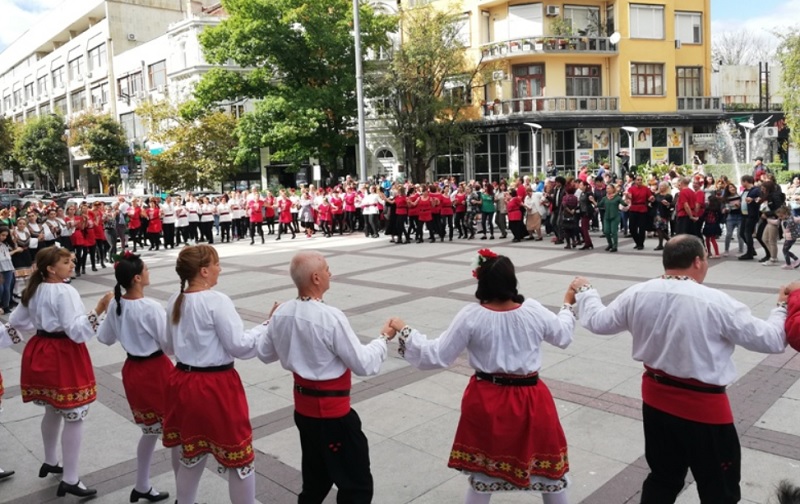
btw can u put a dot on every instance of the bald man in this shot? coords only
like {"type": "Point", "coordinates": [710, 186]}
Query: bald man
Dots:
{"type": "Point", "coordinates": [315, 341]}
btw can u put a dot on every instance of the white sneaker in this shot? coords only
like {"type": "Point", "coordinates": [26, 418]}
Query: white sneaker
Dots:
{"type": "Point", "coordinates": [769, 263]}
{"type": "Point", "coordinates": [725, 254]}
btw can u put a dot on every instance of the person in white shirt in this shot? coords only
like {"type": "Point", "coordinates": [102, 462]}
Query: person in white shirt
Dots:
{"type": "Point", "coordinates": [181, 223]}
{"type": "Point", "coordinates": [225, 219]}
{"type": "Point", "coordinates": [207, 408]}
{"type": "Point", "coordinates": [533, 217]}
{"type": "Point", "coordinates": [507, 413]}
{"type": "Point", "coordinates": [685, 334]}
{"type": "Point", "coordinates": [57, 371]}
{"type": "Point", "coordinates": [369, 209]}
{"type": "Point", "coordinates": [207, 212]}
{"type": "Point", "coordinates": [168, 219]}
{"type": "Point", "coordinates": [315, 341]}
{"type": "Point", "coordinates": [140, 324]}
{"type": "Point", "coordinates": [193, 209]}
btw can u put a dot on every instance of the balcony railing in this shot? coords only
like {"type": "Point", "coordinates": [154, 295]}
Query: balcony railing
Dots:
{"type": "Point", "coordinates": [699, 104]}
{"type": "Point", "coordinates": [537, 45]}
{"type": "Point", "coordinates": [552, 105]}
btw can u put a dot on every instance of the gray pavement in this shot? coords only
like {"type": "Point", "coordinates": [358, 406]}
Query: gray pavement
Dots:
{"type": "Point", "coordinates": [410, 416]}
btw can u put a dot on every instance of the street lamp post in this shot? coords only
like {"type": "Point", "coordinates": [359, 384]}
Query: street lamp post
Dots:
{"type": "Point", "coordinates": [69, 156]}
{"type": "Point", "coordinates": [748, 127]}
{"type": "Point", "coordinates": [362, 130]}
{"type": "Point", "coordinates": [631, 130]}
{"type": "Point", "coordinates": [534, 129]}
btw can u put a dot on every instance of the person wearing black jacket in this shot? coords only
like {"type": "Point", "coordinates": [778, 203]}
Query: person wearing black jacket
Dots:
{"type": "Point", "coordinates": [750, 216]}
{"type": "Point", "coordinates": [767, 234]}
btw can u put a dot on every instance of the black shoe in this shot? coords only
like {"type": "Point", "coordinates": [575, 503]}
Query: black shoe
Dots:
{"type": "Point", "coordinates": [608, 248]}
{"type": "Point", "coordinates": [136, 495]}
{"type": "Point", "coordinates": [483, 237]}
{"type": "Point", "coordinates": [65, 488]}
{"type": "Point", "coordinates": [6, 474]}
{"type": "Point", "coordinates": [94, 268]}
{"type": "Point", "coordinates": [587, 247]}
{"type": "Point", "coordinates": [746, 257]}
{"type": "Point", "coordinates": [262, 240]}
{"type": "Point", "coordinates": [613, 249]}
{"type": "Point", "coordinates": [491, 237]}
{"type": "Point", "coordinates": [764, 259]}
{"type": "Point", "coordinates": [50, 469]}
{"type": "Point", "coordinates": [660, 247]}
{"type": "Point", "coordinates": [515, 240]}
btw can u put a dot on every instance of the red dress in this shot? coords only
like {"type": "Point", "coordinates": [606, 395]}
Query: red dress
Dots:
{"type": "Point", "coordinates": [325, 213]}
{"type": "Point", "coordinates": [98, 230]}
{"type": "Point", "coordinates": [154, 225]}
{"type": "Point", "coordinates": [269, 207]}
{"type": "Point", "coordinates": [285, 207]}
{"type": "Point", "coordinates": [425, 209]}
{"type": "Point", "coordinates": [77, 237]}
{"type": "Point", "coordinates": [135, 214]}
{"type": "Point", "coordinates": [254, 210]}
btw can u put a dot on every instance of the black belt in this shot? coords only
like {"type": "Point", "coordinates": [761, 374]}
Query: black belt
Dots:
{"type": "Point", "coordinates": [320, 393]}
{"type": "Point", "coordinates": [209, 369]}
{"type": "Point", "coordinates": [53, 335]}
{"type": "Point", "coordinates": [664, 380]}
{"type": "Point", "coordinates": [522, 381]}
{"type": "Point", "coordinates": [157, 353]}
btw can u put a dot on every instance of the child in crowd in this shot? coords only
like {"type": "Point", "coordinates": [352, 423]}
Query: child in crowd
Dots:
{"type": "Point", "coordinates": [712, 227]}
{"type": "Point", "coordinates": [790, 226]}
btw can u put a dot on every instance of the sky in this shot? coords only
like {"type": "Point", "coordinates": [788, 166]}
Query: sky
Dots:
{"type": "Point", "coordinates": [726, 15]}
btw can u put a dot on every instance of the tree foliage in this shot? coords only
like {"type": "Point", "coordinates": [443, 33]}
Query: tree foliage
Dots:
{"type": "Point", "coordinates": [41, 147]}
{"type": "Point", "coordinates": [415, 91]}
{"type": "Point", "coordinates": [789, 56]}
{"type": "Point", "coordinates": [102, 138]}
{"type": "Point", "coordinates": [9, 131]}
{"type": "Point", "coordinates": [299, 58]}
{"type": "Point", "coordinates": [742, 47]}
{"type": "Point", "coordinates": [199, 149]}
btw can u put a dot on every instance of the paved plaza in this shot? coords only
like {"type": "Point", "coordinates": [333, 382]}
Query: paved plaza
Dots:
{"type": "Point", "coordinates": [410, 416]}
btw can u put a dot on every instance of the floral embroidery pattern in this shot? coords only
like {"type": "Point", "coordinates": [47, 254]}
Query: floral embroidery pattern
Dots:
{"type": "Point", "coordinates": [61, 399]}
{"type": "Point", "coordinates": [551, 466]}
{"type": "Point", "coordinates": [13, 334]}
{"type": "Point", "coordinates": [504, 486]}
{"type": "Point", "coordinates": [146, 417]}
{"type": "Point", "coordinates": [227, 456]}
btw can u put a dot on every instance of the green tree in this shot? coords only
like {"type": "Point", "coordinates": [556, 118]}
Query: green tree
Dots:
{"type": "Point", "coordinates": [199, 150]}
{"type": "Point", "coordinates": [103, 140]}
{"type": "Point", "coordinates": [425, 89]}
{"type": "Point", "coordinates": [789, 57]}
{"type": "Point", "coordinates": [41, 148]}
{"type": "Point", "coordinates": [299, 58]}
{"type": "Point", "coordinates": [9, 131]}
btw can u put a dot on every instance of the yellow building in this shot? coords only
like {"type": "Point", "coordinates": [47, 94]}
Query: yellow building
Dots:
{"type": "Point", "coordinates": [583, 70]}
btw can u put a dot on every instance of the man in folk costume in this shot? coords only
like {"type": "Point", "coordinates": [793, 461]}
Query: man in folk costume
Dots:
{"type": "Point", "coordinates": [685, 334]}
{"type": "Point", "coordinates": [315, 341]}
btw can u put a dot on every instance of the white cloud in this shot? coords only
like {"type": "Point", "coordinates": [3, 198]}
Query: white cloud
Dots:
{"type": "Point", "coordinates": [19, 16]}
{"type": "Point", "coordinates": [784, 15]}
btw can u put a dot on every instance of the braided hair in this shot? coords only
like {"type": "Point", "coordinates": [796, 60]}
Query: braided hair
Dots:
{"type": "Point", "coordinates": [126, 268]}
{"type": "Point", "coordinates": [190, 261]}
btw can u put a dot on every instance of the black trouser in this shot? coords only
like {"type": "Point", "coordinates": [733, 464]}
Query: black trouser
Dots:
{"type": "Point", "coordinates": [284, 228]}
{"type": "Point", "coordinates": [271, 225]}
{"type": "Point", "coordinates": [517, 229]}
{"type": "Point", "coordinates": [193, 230]}
{"type": "Point", "coordinates": [413, 224]}
{"type": "Point", "coordinates": [349, 219]}
{"type": "Point", "coordinates": [155, 240]}
{"type": "Point", "coordinates": [469, 224]}
{"type": "Point", "coordinates": [335, 450]}
{"type": "Point", "coordinates": [257, 226]}
{"type": "Point", "coordinates": [338, 222]}
{"type": "Point", "coordinates": [400, 228]}
{"type": "Point", "coordinates": [295, 222]}
{"type": "Point", "coordinates": [446, 221]}
{"type": "Point", "coordinates": [169, 235]}
{"type": "Point", "coordinates": [746, 233]}
{"type": "Point", "coordinates": [207, 229]}
{"type": "Point", "coordinates": [673, 445]}
{"type": "Point", "coordinates": [326, 227]}
{"type": "Point", "coordinates": [459, 223]}
{"type": "Point", "coordinates": [760, 227]}
{"type": "Point", "coordinates": [487, 217]}
{"type": "Point", "coordinates": [637, 223]}
{"type": "Point", "coordinates": [685, 225]}
{"type": "Point", "coordinates": [225, 228]}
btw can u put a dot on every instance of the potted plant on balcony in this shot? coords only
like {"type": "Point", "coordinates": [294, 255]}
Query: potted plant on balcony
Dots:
{"type": "Point", "coordinates": [550, 43]}
{"type": "Point", "coordinates": [494, 49]}
{"type": "Point", "coordinates": [538, 44]}
{"type": "Point", "coordinates": [526, 45]}
{"type": "Point", "coordinates": [561, 28]}
{"type": "Point", "coordinates": [503, 48]}
{"type": "Point", "coordinates": [514, 46]}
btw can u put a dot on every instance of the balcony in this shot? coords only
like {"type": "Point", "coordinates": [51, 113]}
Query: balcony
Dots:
{"type": "Point", "coordinates": [551, 105]}
{"type": "Point", "coordinates": [548, 45]}
{"type": "Point", "coordinates": [699, 104]}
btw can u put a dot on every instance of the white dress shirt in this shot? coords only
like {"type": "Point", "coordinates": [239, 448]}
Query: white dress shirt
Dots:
{"type": "Point", "coordinates": [224, 211]}
{"type": "Point", "coordinates": [497, 341]}
{"type": "Point", "coordinates": [168, 213]}
{"type": "Point", "coordinates": [55, 307]}
{"type": "Point", "coordinates": [684, 328]}
{"type": "Point", "coordinates": [193, 209]}
{"type": "Point", "coordinates": [210, 331]}
{"type": "Point", "coordinates": [315, 341]}
{"type": "Point", "coordinates": [141, 327]}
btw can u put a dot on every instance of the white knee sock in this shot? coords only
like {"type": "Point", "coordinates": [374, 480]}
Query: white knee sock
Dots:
{"type": "Point", "coordinates": [241, 491]}
{"type": "Point", "coordinates": [175, 454]}
{"type": "Point", "coordinates": [70, 450]}
{"type": "Point", "coordinates": [144, 457]}
{"type": "Point", "coordinates": [51, 428]}
{"type": "Point", "coordinates": [474, 497]}
{"type": "Point", "coordinates": [188, 481]}
{"type": "Point", "coordinates": [555, 498]}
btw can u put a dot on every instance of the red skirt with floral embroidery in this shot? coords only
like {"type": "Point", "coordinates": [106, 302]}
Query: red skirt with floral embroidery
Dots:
{"type": "Point", "coordinates": [509, 432]}
{"type": "Point", "coordinates": [145, 383]}
{"type": "Point", "coordinates": [208, 413]}
{"type": "Point", "coordinates": [57, 371]}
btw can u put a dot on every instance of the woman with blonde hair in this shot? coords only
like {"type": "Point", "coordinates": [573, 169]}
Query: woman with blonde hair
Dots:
{"type": "Point", "coordinates": [206, 405]}
{"type": "Point", "coordinates": [57, 371]}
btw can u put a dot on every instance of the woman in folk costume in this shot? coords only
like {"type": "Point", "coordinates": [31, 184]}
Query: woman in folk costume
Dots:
{"type": "Point", "coordinates": [140, 326]}
{"type": "Point", "coordinates": [206, 405]}
{"type": "Point", "coordinates": [57, 372]}
{"type": "Point", "coordinates": [509, 437]}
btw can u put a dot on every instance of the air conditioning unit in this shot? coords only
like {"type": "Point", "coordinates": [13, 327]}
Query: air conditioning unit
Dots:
{"type": "Point", "coordinates": [771, 132]}
{"type": "Point", "coordinates": [498, 75]}
{"type": "Point", "coordinates": [89, 75]}
{"type": "Point", "coordinates": [132, 37]}
{"type": "Point", "coordinates": [552, 11]}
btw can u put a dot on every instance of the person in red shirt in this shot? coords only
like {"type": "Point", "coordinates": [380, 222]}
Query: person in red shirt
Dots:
{"type": "Point", "coordinates": [325, 215]}
{"type": "Point", "coordinates": [269, 212]}
{"type": "Point", "coordinates": [514, 209]}
{"type": "Point", "coordinates": [255, 211]}
{"type": "Point", "coordinates": [460, 204]}
{"type": "Point", "coordinates": [285, 213]}
{"type": "Point", "coordinates": [154, 225]}
{"type": "Point", "coordinates": [685, 208]}
{"type": "Point", "coordinates": [445, 213]}
{"type": "Point", "coordinates": [413, 210]}
{"type": "Point", "coordinates": [350, 208]}
{"type": "Point", "coordinates": [639, 195]}
{"type": "Point", "coordinates": [424, 205]}
{"type": "Point", "coordinates": [699, 206]}
{"type": "Point", "coordinates": [401, 216]}
{"type": "Point", "coordinates": [135, 223]}
{"type": "Point", "coordinates": [337, 210]}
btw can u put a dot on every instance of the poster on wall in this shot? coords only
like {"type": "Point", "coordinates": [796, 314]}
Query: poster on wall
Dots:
{"type": "Point", "coordinates": [583, 139]}
{"type": "Point", "coordinates": [600, 139]}
{"type": "Point", "coordinates": [659, 155]}
{"type": "Point", "coordinates": [643, 138]}
{"type": "Point", "coordinates": [583, 157]}
{"type": "Point", "coordinates": [675, 137]}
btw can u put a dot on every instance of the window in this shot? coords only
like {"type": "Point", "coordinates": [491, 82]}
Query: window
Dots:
{"type": "Point", "coordinates": [29, 91]}
{"type": "Point", "coordinates": [564, 153]}
{"type": "Point", "coordinates": [689, 27]}
{"type": "Point", "coordinates": [157, 74]}
{"type": "Point", "coordinates": [523, 21]}
{"type": "Point", "coordinates": [647, 79]}
{"type": "Point", "coordinates": [130, 85]}
{"type": "Point", "coordinates": [610, 20]}
{"type": "Point", "coordinates": [647, 21]}
{"type": "Point", "coordinates": [100, 95]}
{"type": "Point", "coordinates": [457, 91]}
{"type": "Point", "coordinates": [17, 97]}
{"type": "Point", "coordinates": [41, 85]}
{"type": "Point", "coordinates": [75, 68]}
{"type": "Point", "coordinates": [6, 102]}
{"type": "Point", "coordinates": [44, 110]}
{"type": "Point", "coordinates": [60, 106]}
{"type": "Point", "coordinates": [491, 157]}
{"type": "Point", "coordinates": [690, 81]}
{"type": "Point", "coordinates": [525, 147]}
{"type": "Point", "coordinates": [462, 31]}
{"type": "Point", "coordinates": [132, 125]}
{"type": "Point", "coordinates": [97, 57]}
{"type": "Point", "coordinates": [583, 80]}
{"type": "Point", "coordinates": [78, 100]}
{"type": "Point", "coordinates": [450, 164]}
{"type": "Point", "coordinates": [584, 20]}
{"type": "Point", "coordinates": [58, 77]}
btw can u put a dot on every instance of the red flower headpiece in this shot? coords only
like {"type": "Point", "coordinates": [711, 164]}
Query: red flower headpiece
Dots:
{"type": "Point", "coordinates": [483, 255]}
{"type": "Point", "coordinates": [127, 255]}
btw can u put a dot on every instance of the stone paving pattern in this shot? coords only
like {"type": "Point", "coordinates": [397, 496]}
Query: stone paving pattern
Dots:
{"type": "Point", "coordinates": [410, 416]}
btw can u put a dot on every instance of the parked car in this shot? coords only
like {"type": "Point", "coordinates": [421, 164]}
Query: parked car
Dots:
{"type": "Point", "coordinates": [7, 199]}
